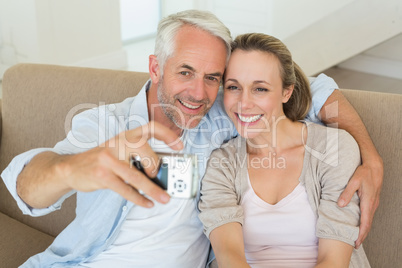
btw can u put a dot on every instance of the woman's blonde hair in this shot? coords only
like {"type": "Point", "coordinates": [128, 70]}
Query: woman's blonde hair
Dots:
{"type": "Point", "coordinates": [299, 103]}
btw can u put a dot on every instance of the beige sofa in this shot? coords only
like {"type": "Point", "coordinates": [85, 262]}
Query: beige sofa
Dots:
{"type": "Point", "coordinates": [37, 98]}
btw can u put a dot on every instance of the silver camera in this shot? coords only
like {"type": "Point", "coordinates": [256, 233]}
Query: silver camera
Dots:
{"type": "Point", "coordinates": [178, 174]}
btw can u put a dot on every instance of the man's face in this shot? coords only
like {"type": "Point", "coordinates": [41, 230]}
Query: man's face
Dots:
{"type": "Point", "coordinates": [191, 77]}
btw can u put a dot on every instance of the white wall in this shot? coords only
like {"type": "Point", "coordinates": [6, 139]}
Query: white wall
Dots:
{"type": "Point", "coordinates": [345, 33]}
{"type": "Point", "coordinates": [173, 6]}
{"type": "Point", "coordinates": [139, 19]}
{"type": "Point", "coordinates": [18, 40]}
{"type": "Point", "coordinates": [390, 49]}
{"type": "Point", "coordinates": [278, 18]}
{"type": "Point", "coordinates": [384, 59]}
{"type": "Point", "coordinates": [74, 32]}
{"type": "Point", "coordinates": [320, 33]}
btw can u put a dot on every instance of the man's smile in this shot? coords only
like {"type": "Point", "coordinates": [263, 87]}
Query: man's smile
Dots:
{"type": "Point", "coordinates": [188, 105]}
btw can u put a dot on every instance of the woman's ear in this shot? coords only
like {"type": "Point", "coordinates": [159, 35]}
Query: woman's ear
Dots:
{"type": "Point", "coordinates": [287, 93]}
{"type": "Point", "coordinates": [154, 71]}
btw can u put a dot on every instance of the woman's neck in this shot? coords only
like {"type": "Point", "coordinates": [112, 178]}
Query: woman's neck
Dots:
{"type": "Point", "coordinates": [283, 135]}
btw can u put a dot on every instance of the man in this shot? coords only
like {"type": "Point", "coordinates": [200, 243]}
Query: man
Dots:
{"type": "Point", "coordinates": [123, 219]}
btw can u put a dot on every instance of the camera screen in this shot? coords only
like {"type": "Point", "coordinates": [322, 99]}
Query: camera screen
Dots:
{"type": "Point", "coordinates": [162, 177]}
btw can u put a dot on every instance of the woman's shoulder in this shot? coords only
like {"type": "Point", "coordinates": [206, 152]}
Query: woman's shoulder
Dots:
{"type": "Point", "coordinates": [324, 142]}
{"type": "Point", "coordinates": [323, 134]}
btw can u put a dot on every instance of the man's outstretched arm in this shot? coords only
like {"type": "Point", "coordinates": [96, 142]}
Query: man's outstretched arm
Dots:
{"type": "Point", "coordinates": [49, 176]}
{"type": "Point", "coordinates": [367, 179]}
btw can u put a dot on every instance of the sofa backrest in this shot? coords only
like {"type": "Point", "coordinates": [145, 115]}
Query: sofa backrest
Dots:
{"type": "Point", "coordinates": [36, 100]}
{"type": "Point", "coordinates": [382, 116]}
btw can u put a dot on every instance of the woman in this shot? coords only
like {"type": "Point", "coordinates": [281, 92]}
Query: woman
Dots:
{"type": "Point", "coordinates": [269, 196]}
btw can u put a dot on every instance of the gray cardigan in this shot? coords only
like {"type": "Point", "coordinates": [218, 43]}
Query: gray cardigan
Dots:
{"type": "Point", "coordinates": [330, 159]}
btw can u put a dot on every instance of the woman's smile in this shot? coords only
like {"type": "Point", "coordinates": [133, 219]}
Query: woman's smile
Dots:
{"type": "Point", "coordinates": [246, 118]}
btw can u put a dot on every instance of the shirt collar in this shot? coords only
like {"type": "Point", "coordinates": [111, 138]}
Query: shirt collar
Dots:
{"type": "Point", "coordinates": [139, 108]}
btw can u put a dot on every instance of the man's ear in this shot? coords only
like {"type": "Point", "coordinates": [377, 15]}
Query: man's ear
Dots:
{"type": "Point", "coordinates": [287, 93]}
{"type": "Point", "coordinates": [154, 70]}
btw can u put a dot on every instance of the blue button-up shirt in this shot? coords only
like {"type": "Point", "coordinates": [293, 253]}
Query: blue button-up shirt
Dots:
{"type": "Point", "coordinates": [100, 214]}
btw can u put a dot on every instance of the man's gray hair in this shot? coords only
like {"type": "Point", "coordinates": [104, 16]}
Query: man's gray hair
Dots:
{"type": "Point", "coordinates": [169, 26]}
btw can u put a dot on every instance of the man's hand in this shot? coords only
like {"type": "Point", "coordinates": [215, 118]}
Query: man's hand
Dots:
{"type": "Point", "coordinates": [367, 181]}
{"type": "Point", "coordinates": [49, 176]}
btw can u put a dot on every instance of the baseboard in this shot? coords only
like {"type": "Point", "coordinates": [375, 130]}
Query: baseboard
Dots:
{"type": "Point", "coordinates": [374, 65]}
{"type": "Point", "coordinates": [114, 60]}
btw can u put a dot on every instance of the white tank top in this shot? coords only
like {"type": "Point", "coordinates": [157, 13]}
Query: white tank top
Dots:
{"type": "Point", "coordinates": [280, 235]}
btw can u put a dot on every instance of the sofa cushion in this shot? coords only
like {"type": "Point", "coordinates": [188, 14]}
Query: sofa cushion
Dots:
{"type": "Point", "coordinates": [19, 241]}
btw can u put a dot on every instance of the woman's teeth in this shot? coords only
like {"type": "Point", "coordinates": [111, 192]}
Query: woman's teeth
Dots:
{"type": "Point", "coordinates": [249, 119]}
{"type": "Point", "coordinates": [189, 105]}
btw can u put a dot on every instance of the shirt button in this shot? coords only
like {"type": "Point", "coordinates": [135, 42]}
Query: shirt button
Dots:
{"type": "Point", "coordinates": [124, 208]}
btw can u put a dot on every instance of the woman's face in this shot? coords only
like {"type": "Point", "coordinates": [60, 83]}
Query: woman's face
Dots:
{"type": "Point", "coordinates": [253, 92]}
